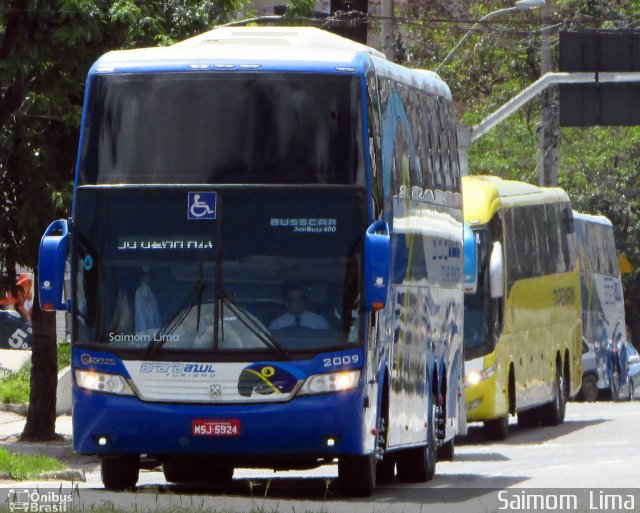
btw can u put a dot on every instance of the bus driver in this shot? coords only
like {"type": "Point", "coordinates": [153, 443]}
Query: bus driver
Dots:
{"type": "Point", "coordinates": [298, 316]}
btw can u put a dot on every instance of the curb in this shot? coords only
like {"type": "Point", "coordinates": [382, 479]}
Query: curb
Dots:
{"type": "Point", "coordinates": [61, 450]}
{"type": "Point", "coordinates": [20, 409]}
{"type": "Point", "coordinates": [53, 449]}
{"type": "Point", "coordinates": [70, 474]}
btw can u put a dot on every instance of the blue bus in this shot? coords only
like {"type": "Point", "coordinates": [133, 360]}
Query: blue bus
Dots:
{"type": "Point", "coordinates": [603, 317]}
{"type": "Point", "coordinates": [266, 254]}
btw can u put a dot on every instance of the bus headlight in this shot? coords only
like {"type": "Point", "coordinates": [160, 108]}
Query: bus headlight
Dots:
{"type": "Point", "coordinates": [332, 382]}
{"type": "Point", "coordinates": [100, 382]}
{"type": "Point", "coordinates": [475, 377]}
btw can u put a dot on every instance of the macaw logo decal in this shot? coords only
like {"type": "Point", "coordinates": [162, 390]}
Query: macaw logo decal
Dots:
{"type": "Point", "coordinates": [265, 379]}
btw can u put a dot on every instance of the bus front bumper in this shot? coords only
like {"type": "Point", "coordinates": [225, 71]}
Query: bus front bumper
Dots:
{"type": "Point", "coordinates": [480, 400]}
{"type": "Point", "coordinates": [317, 426]}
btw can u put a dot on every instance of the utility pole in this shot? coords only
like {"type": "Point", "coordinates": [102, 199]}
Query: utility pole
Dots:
{"type": "Point", "coordinates": [386, 12]}
{"type": "Point", "coordinates": [549, 126]}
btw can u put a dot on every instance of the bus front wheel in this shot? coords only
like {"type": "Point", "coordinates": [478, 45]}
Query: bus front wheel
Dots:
{"type": "Point", "coordinates": [497, 429]}
{"type": "Point", "coordinates": [120, 472]}
{"type": "Point", "coordinates": [357, 475]}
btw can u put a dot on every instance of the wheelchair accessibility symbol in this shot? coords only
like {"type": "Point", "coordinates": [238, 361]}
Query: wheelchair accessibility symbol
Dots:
{"type": "Point", "coordinates": [202, 205]}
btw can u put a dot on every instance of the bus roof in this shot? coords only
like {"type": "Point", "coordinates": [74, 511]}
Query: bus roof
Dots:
{"type": "Point", "coordinates": [482, 196]}
{"type": "Point", "coordinates": [266, 49]}
{"type": "Point", "coordinates": [245, 47]}
{"type": "Point", "coordinates": [591, 218]}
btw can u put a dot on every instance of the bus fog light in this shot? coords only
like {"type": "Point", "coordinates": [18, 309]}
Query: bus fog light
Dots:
{"type": "Point", "coordinates": [102, 441]}
{"type": "Point", "coordinates": [331, 442]}
{"type": "Point", "coordinates": [474, 404]}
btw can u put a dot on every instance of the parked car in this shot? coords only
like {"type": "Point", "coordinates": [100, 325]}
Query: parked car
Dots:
{"type": "Point", "coordinates": [589, 388]}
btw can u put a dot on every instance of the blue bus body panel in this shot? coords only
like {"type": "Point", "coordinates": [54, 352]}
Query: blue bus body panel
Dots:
{"type": "Point", "coordinates": [299, 427]}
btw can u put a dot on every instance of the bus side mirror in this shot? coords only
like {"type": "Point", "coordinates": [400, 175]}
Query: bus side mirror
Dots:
{"type": "Point", "coordinates": [377, 255]}
{"type": "Point", "coordinates": [51, 265]}
{"type": "Point", "coordinates": [470, 261]}
{"type": "Point", "coordinates": [496, 271]}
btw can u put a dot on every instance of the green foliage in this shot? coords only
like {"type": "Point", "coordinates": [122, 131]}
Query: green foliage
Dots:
{"type": "Point", "coordinates": [15, 388]}
{"type": "Point", "coordinates": [597, 166]}
{"type": "Point", "coordinates": [46, 49]}
{"type": "Point", "coordinates": [297, 9]}
{"type": "Point", "coordinates": [26, 466]}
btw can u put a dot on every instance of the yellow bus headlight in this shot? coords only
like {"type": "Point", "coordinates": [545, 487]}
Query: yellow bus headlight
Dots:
{"type": "Point", "coordinates": [475, 377]}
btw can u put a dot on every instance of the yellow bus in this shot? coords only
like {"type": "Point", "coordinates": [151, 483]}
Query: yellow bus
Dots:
{"type": "Point", "coordinates": [522, 328]}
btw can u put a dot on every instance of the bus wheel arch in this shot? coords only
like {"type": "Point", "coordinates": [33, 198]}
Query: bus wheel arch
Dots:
{"type": "Point", "coordinates": [511, 390]}
{"type": "Point", "coordinates": [417, 465]}
{"type": "Point", "coordinates": [446, 449]}
{"type": "Point", "coordinates": [567, 375]}
{"type": "Point", "coordinates": [554, 412]}
{"type": "Point", "coordinates": [386, 467]}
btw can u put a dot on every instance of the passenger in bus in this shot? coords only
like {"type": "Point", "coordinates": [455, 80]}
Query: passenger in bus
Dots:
{"type": "Point", "coordinates": [122, 316]}
{"type": "Point", "coordinates": [297, 315]}
{"type": "Point", "coordinates": [146, 305]}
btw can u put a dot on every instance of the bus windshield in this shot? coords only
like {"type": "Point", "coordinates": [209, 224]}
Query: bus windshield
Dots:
{"type": "Point", "coordinates": [275, 271]}
{"type": "Point", "coordinates": [223, 128]}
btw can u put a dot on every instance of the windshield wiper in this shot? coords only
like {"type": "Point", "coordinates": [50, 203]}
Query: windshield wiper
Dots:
{"type": "Point", "coordinates": [194, 297]}
{"type": "Point", "coordinates": [254, 325]}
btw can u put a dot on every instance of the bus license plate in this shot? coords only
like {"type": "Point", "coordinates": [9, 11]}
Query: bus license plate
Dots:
{"type": "Point", "coordinates": [216, 427]}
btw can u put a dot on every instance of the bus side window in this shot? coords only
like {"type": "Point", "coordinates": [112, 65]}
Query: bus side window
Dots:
{"type": "Point", "coordinates": [445, 149]}
{"type": "Point", "coordinates": [373, 116]}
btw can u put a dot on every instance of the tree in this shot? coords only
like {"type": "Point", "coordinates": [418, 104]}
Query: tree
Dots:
{"type": "Point", "coordinates": [596, 166]}
{"type": "Point", "coordinates": [46, 49]}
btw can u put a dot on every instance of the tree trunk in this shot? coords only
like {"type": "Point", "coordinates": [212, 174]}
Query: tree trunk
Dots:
{"type": "Point", "coordinates": [41, 417]}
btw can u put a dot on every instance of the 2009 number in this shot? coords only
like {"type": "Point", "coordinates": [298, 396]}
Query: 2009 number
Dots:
{"type": "Point", "coordinates": [347, 359]}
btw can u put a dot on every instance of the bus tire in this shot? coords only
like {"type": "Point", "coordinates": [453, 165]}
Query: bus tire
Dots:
{"type": "Point", "coordinates": [386, 469]}
{"type": "Point", "coordinates": [528, 418]}
{"type": "Point", "coordinates": [419, 464]}
{"type": "Point", "coordinates": [589, 388]}
{"type": "Point", "coordinates": [497, 429]}
{"type": "Point", "coordinates": [555, 410]}
{"type": "Point", "coordinates": [357, 475]}
{"type": "Point", "coordinates": [446, 451]}
{"type": "Point", "coordinates": [120, 472]}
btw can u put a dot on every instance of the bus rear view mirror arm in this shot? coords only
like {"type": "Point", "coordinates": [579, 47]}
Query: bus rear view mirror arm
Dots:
{"type": "Point", "coordinates": [377, 254]}
{"type": "Point", "coordinates": [51, 265]}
